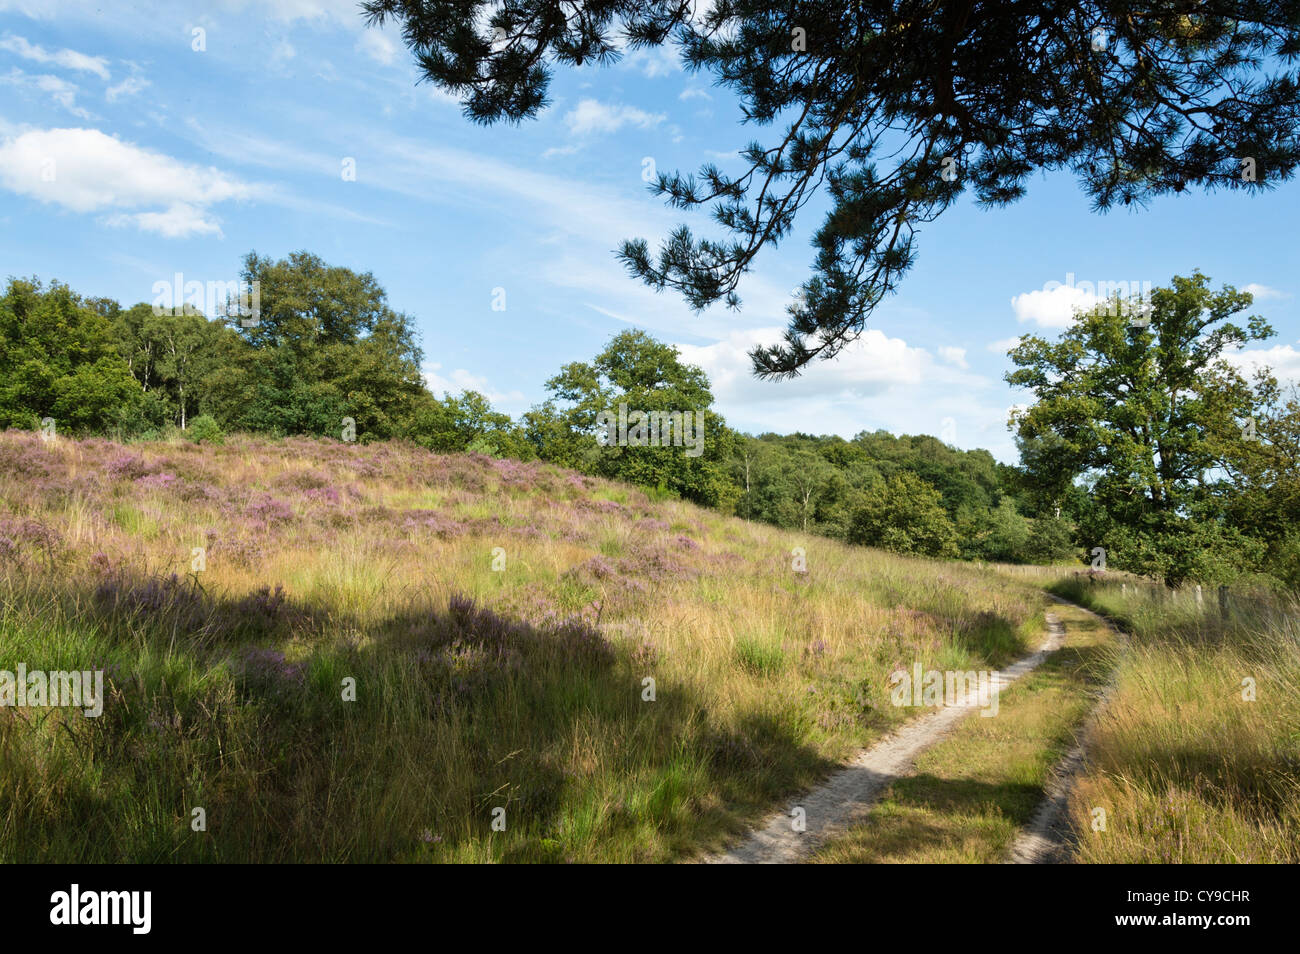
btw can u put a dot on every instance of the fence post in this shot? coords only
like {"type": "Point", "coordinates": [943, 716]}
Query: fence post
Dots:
{"type": "Point", "coordinates": [1223, 603]}
{"type": "Point", "coordinates": [1200, 603]}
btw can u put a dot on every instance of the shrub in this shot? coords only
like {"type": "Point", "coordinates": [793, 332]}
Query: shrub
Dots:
{"type": "Point", "coordinates": [205, 428]}
{"type": "Point", "coordinates": [906, 515]}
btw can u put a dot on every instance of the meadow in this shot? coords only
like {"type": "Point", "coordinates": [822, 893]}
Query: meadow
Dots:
{"type": "Point", "coordinates": [321, 651]}
{"type": "Point", "coordinates": [344, 652]}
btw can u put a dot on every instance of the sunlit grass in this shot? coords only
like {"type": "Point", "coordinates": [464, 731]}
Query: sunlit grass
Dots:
{"type": "Point", "coordinates": [764, 677]}
{"type": "Point", "coordinates": [1187, 766]}
{"type": "Point", "coordinates": [971, 794]}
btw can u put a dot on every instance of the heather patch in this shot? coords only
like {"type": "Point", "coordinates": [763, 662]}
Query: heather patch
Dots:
{"type": "Point", "coordinates": [531, 602]}
{"type": "Point", "coordinates": [432, 521]}
{"type": "Point", "coordinates": [269, 669]}
{"type": "Point", "coordinates": [27, 455]}
{"type": "Point", "coordinates": [510, 641]}
{"type": "Point", "coordinates": [324, 494]}
{"type": "Point", "coordinates": [194, 492]}
{"type": "Point", "coordinates": [166, 605]}
{"type": "Point", "coordinates": [241, 549]}
{"type": "Point", "coordinates": [377, 514]}
{"type": "Point", "coordinates": [158, 481]}
{"type": "Point", "coordinates": [657, 565]}
{"type": "Point", "coordinates": [27, 537]}
{"type": "Point", "coordinates": [488, 526]}
{"type": "Point", "coordinates": [308, 480]}
{"type": "Point", "coordinates": [106, 564]}
{"type": "Point", "coordinates": [168, 601]}
{"type": "Point", "coordinates": [126, 466]}
{"type": "Point", "coordinates": [265, 512]}
{"type": "Point", "coordinates": [459, 673]}
{"type": "Point", "coordinates": [526, 531]}
{"type": "Point", "coordinates": [579, 483]}
{"type": "Point", "coordinates": [514, 474]}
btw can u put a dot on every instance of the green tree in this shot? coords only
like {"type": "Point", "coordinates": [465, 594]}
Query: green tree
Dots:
{"type": "Point", "coordinates": [998, 533]}
{"type": "Point", "coordinates": [891, 109]}
{"type": "Point", "coordinates": [467, 421]}
{"type": "Point", "coordinates": [1265, 490]}
{"type": "Point", "coordinates": [648, 377]}
{"type": "Point", "coordinates": [809, 475]}
{"type": "Point", "coordinates": [1148, 417]}
{"type": "Point", "coordinates": [904, 514]}
{"type": "Point", "coordinates": [58, 359]}
{"type": "Point", "coordinates": [326, 345]}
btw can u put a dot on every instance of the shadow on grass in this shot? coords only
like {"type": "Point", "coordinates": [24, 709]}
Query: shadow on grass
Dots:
{"type": "Point", "coordinates": [416, 738]}
{"type": "Point", "coordinates": [927, 816]}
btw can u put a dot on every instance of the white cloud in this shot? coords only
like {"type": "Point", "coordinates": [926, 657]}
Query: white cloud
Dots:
{"type": "Point", "coordinates": [179, 220]}
{"type": "Point", "coordinates": [593, 116]}
{"type": "Point", "coordinates": [870, 366]}
{"type": "Point", "coordinates": [84, 170]}
{"type": "Point", "coordinates": [60, 90]}
{"type": "Point", "coordinates": [1053, 307]}
{"type": "Point", "coordinates": [345, 11]}
{"type": "Point", "coordinates": [600, 216]}
{"type": "Point", "coordinates": [287, 11]}
{"type": "Point", "coordinates": [68, 59]}
{"type": "Point", "coordinates": [694, 93]}
{"type": "Point", "coordinates": [556, 151]}
{"type": "Point", "coordinates": [876, 382]}
{"type": "Point", "coordinates": [379, 46]}
{"type": "Point", "coordinates": [462, 380]}
{"type": "Point", "coordinates": [1283, 360]}
{"type": "Point", "coordinates": [654, 62]}
{"type": "Point", "coordinates": [128, 87]}
{"type": "Point", "coordinates": [953, 356]}
{"type": "Point", "coordinates": [1003, 345]}
{"type": "Point", "coordinates": [1264, 292]}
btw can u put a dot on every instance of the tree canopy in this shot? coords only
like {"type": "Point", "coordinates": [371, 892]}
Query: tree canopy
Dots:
{"type": "Point", "coordinates": [326, 346]}
{"type": "Point", "coordinates": [891, 109]}
{"type": "Point", "coordinates": [1154, 419]}
{"type": "Point", "coordinates": [58, 359]}
{"type": "Point", "coordinates": [635, 374]}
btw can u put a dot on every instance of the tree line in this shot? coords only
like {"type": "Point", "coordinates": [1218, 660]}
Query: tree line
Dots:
{"type": "Point", "coordinates": [1142, 440]}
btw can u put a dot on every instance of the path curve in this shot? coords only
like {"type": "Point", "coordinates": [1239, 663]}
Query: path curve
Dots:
{"type": "Point", "coordinates": [847, 796]}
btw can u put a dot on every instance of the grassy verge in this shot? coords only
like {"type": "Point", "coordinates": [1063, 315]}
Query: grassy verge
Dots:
{"type": "Point", "coordinates": [1197, 757]}
{"type": "Point", "coordinates": [971, 793]}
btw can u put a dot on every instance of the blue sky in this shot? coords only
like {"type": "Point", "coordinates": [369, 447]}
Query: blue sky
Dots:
{"type": "Point", "coordinates": [169, 159]}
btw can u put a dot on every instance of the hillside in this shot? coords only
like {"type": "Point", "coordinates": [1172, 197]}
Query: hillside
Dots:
{"type": "Point", "coordinates": [497, 623]}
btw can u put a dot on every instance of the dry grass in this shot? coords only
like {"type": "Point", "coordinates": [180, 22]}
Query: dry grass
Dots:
{"type": "Point", "coordinates": [972, 793]}
{"type": "Point", "coordinates": [1186, 767]}
{"type": "Point", "coordinates": [476, 688]}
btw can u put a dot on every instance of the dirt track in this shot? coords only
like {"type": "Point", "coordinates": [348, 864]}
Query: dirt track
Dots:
{"type": "Point", "coordinates": [847, 796]}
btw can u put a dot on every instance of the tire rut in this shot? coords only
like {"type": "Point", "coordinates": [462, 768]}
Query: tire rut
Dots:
{"type": "Point", "coordinates": [1049, 836]}
{"type": "Point", "coordinates": [847, 796]}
